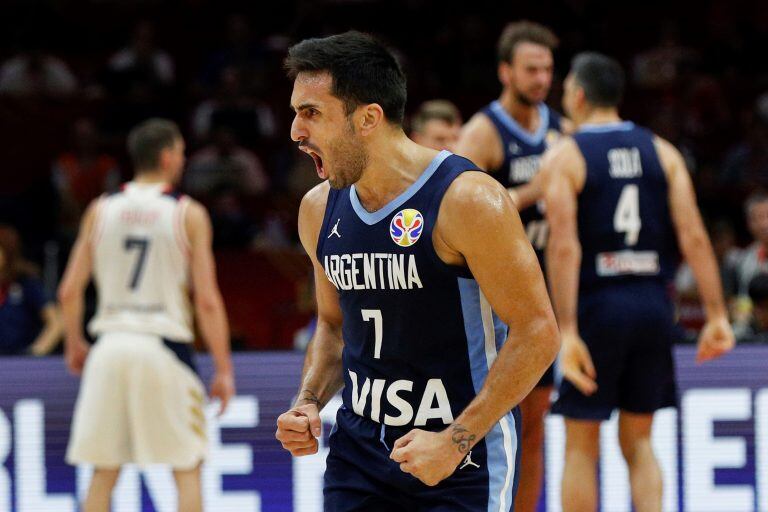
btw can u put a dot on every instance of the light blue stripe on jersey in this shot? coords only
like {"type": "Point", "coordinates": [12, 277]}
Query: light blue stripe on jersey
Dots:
{"type": "Point", "coordinates": [372, 218]}
{"type": "Point", "coordinates": [521, 133]}
{"type": "Point", "coordinates": [484, 338]}
{"type": "Point", "coordinates": [620, 126]}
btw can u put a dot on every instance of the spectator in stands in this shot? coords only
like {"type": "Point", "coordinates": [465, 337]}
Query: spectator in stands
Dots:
{"type": "Point", "coordinates": [29, 319]}
{"type": "Point", "coordinates": [756, 331]}
{"type": "Point", "coordinates": [138, 83]}
{"type": "Point", "coordinates": [746, 165]}
{"type": "Point", "coordinates": [436, 124]}
{"type": "Point", "coordinates": [241, 52]}
{"type": "Point", "coordinates": [235, 108]}
{"type": "Point", "coordinates": [754, 259]}
{"type": "Point", "coordinates": [142, 61]}
{"type": "Point", "coordinates": [82, 173]}
{"type": "Point", "coordinates": [35, 73]}
{"type": "Point", "coordinates": [660, 67]}
{"type": "Point", "coordinates": [224, 164]}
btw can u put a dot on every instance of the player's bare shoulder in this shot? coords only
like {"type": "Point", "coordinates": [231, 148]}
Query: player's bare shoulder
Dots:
{"type": "Point", "coordinates": [473, 204]}
{"type": "Point", "coordinates": [311, 213]}
{"type": "Point", "coordinates": [563, 158]}
{"type": "Point", "coordinates": [479, 141]}
{"type": "Point", "coordinates": [670, 157]}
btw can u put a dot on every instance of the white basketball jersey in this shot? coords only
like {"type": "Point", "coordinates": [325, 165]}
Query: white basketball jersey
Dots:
{"type": "Point", "coordinates": [141, 263]}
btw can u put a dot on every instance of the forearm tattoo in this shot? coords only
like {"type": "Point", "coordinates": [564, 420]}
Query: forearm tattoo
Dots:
{"type": "Point", "coordinates": [462, 438]}
{"type": "Point", "coordinates": [307, 395]}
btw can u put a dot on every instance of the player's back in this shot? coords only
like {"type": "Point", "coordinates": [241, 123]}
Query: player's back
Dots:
{"type": "Point", "coordinates": [624, 223]}
{"type": "Point", "coordinates": [140, 262]}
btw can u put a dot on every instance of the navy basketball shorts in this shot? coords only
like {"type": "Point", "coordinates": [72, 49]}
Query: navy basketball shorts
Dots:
{"type": "Point", "coordinates": [629, 331]}
{"type": "Point", "coordinates": [361, 477]}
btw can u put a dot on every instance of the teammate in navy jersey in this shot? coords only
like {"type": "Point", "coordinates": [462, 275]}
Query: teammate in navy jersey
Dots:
{"type": "Point", "coordinates": [507, 138]}
{"type": "Point", "coordinates": [619, 201]}
{"type": "Point", "coordinates": [420, 265]}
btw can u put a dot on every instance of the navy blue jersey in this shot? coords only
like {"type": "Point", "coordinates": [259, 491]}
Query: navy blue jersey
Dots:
{"type": "Point", "coordinates": [624, 221]}
{"type": "Point", "coordinates": [522, 156]}
{"type": "Point", "coordinates": [418, 334]}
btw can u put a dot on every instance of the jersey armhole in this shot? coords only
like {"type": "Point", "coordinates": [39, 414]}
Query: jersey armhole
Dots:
{"type": "Point", "coordinates": [499, 127]}
{"type": "Point", "coordinates": [329, 205]}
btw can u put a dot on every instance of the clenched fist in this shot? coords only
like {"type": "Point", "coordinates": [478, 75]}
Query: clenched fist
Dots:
{"type": "Point", "coordinates": [298, 430]}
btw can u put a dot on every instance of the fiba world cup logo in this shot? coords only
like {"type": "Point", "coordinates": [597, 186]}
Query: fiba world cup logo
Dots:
{"type": "Point", "coordinates": [406, 227]}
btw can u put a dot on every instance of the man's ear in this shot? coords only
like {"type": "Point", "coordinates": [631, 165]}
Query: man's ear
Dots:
{"type": "Point", "coordinates": [369, 118]}
{"type": "Point", "coordinates": [503, 72]}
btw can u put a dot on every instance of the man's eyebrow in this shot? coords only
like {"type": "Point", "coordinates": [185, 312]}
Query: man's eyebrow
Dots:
{"type": "Point", "coordinates": [303, 106]}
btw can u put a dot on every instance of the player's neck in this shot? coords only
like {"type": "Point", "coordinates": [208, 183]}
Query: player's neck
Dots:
{"type": "Point", "coordinates": [602, 116]}
{"type": "Point", "coordinates": [151, 178]}
{"type": "Point", "coordinates": [393, 165]}
{"type": "Point", "coordinates": [525, 114]}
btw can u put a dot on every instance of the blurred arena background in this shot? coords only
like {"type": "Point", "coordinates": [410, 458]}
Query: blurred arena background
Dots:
{"type": "Point", "coordinates": [75, 76]}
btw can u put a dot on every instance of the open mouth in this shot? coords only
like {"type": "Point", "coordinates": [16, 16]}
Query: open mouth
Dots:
{"type": "Point", "coordinates": [318, 164]}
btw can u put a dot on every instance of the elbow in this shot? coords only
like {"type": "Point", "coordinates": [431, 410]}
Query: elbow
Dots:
{"type": "Point", "coordinates": [207, 304]}
{"type": "Point", "coordinates": [692, 241]}
{"type": "Point", "coordinates": [561, 249]}
{"type": "Point", "coordinates": [66, 293]}
{"type": "Point", "coordinates": [552, 345]}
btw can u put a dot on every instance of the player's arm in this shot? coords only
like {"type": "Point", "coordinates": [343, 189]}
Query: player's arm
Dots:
{"type": "Point", "coordinates": [72, 290]}
{"type": "Point", "coordinates": [322, 377]}
{"type": "Point", "coordinates": [562, 175]}
{"type": "Point", "coordinates": [480, 143]}
{"type": "Point", "coordinates": [717, 336]}
{"type": "Point", "coordinates": [50, 335]}
{"type": "Point", "coordinates": [560, 179]}
{"type": "Point", "coordinates": [530, 193]}
{"type": "Point", "coordinates": [209, 306]}
{"type": "Point", "coordinates": [479, 223]}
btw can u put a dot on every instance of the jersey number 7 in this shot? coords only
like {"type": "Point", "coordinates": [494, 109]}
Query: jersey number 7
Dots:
{"type": "Point", "coordinates": [141, 245]}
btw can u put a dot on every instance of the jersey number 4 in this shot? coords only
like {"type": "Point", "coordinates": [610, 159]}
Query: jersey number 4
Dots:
{"type": "Point", "coordinates": [141, 246]}
{"type": "Point", "coordinates": [627, 217]}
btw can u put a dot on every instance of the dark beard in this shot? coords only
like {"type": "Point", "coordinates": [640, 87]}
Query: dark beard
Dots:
{"type": "Point", "coordinates": [352, 160]}
{"type": "Point", "coordinates": [523, 99]}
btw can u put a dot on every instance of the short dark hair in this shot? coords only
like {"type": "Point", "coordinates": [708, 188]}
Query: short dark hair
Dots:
{"type": "Point", "coordinates": [148, 139]}
{"type": "Point", "coordinates": [601, 77]}
{"type": "Point", "coordinates": [442, 110]}
{"type": "Point", "coordinates": [758, 288]}
{"type": "Point", "coordinates": [524, 32]}
{"type": "Point", "coordinates": [362, 69]}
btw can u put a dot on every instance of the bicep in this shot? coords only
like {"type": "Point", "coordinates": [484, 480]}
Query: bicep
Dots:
{"type": "Point", "coordinates": [202, 264]}
{"type": "Point", "coordinates": [561, 202]}
{"type": "Point", "coordinates": [78, 271]}
{"type": "Point", "coordinates": [328, 307]}
{"type": "Point", "coordinates": [682, 198]}
{"type": "Point", "coordinates": [489, 234]}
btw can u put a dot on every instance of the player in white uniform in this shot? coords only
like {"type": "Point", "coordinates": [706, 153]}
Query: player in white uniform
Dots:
{"type": "Point", "coordinates": [140, 399]}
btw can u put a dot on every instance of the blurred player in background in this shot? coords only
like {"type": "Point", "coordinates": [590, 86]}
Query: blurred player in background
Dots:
{"type": "Point", "coordinates": [420, 266]}
{"type": "Point", "coordinates": [619, 200]}
{"type": "Point", "coordinates": [140, 399]}
{"type": "Point", "coordinates": [507, 139]}
{"type": "Point", "coordinates": [436, 124]}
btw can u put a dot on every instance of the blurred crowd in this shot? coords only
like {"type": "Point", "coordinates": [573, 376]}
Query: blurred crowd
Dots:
{"type": "Point", "coordinates": [75, 76]}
